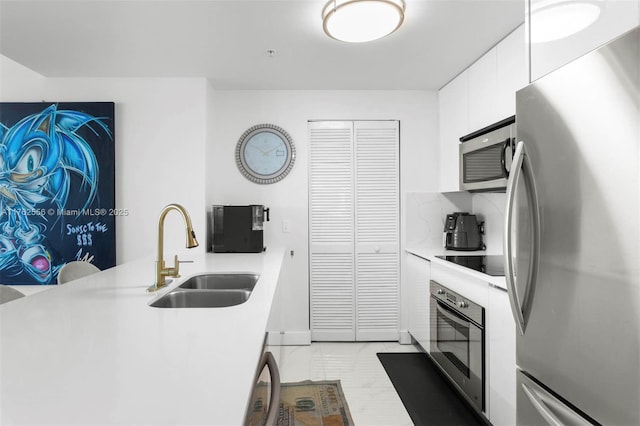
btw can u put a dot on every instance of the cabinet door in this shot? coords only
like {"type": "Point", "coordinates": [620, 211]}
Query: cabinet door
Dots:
{"type": "Point", "coordinates": [512, 72]}
{"type": "Point", "coordinates": [453, 103]}
{"type": "Point", "coordinates": [377, 229]}
{"type": "Point", "coordinates": [501, 335]}
{"type": "Point", "coordinates": [551, 44]}
{"type": "Point", "coordinates": [417, 281]}
{"type": "Point", "coordinates": [331, 231]}
{"type": "Point", "coordinates": [482, 92]}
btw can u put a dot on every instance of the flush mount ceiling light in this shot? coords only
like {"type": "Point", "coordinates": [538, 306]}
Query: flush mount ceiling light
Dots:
{"type": "Point", "coordinates": [556, 19]}
{"type": "Point", "coordinates": [358, 21]}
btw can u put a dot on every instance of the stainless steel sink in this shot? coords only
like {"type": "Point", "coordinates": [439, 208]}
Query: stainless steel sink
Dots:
{"type": "Point", "coordinates": [222, 281]}
{"type": "Point", "coordinates": [210, 291]}
{"type": "Point", "coordinates": [202, 299]}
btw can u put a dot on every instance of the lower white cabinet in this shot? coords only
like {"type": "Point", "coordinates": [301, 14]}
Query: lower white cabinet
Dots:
{"type": "Point", "coordinates": [501, 360]}
{"type": "Point", "coordinates": [417, 281]}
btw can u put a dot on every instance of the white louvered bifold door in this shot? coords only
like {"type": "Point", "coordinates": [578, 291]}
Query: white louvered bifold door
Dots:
{"type": "Point", "coordinates": [331, 233]}
{"type": "Point", "coordinates": [354, 235]}
{"type": "Point", "coordinates": [377, 229]}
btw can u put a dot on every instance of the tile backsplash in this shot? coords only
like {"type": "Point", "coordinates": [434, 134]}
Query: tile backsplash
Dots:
{"type": "Point", "coordinates": [489, 207]}
{"type": "Point", "coordinates": [425, 214]}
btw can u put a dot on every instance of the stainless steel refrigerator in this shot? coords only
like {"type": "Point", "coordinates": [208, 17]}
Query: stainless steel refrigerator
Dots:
{"type": "Point", "coordinates": [572, 241]}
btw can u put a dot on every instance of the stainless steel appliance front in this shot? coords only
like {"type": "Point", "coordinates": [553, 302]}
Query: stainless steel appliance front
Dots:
{"type": "Point", "coordinates": [485, 157]}
{"type": "Point", "coordinates": [457, 342]}
{"type": "Point", "coordinates": [572, 238]}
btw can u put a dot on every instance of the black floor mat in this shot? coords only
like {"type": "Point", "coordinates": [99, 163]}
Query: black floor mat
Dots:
{"type": "Point", "coordinates": [425, 393]}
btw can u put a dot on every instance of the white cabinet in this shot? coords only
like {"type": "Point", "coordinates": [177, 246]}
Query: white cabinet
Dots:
{"type": "Point", "coordinates": [453, 103]}
{"type": "Point", "coordinates": [512, 71]}
{"type": "Point", "coordinates": [494, 80]}
{"type": "Point", "coordinates": [481, 95]}
{"type": "Point", "coordinates": [417, 281]}
{"type": "Point", "coordinates": [551, 46]}
{"type": "Point", "coordinates": [501, 363]}
{"type": "Point", "coordinates": [483, 86]}
{"type": "Point", "coordinates": [354, 259]}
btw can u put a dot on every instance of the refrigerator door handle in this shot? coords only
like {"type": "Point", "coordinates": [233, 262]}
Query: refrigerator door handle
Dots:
{"type": "Point", "coordinates": [519, 306]}
{"type": "Point", "coordinates": [553, 411]}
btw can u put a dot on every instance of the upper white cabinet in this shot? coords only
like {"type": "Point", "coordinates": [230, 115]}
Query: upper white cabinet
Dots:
{"type": "Point", "coordinates": [483, 86]}
{"type": "Point", "coordinates": [511, 72]}
{"type": "Point", "coordinates": [454, 122]}
{"type": "Point", "coordinates": [494, 80]}
{"type": "Point", "coordinates": [501, 363]}
{"type": "Point", "coordinates": [481, 95]}
{"type": "Point", "coordinates": [551, 45]}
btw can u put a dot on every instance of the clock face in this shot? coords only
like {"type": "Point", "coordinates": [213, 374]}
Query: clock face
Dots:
{"type": "Point", "coordinates": [265, 153]}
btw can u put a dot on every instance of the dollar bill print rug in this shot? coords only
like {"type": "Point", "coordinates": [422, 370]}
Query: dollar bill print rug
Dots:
{"type": "Point", "coordinates": [309, 403]}
{"type": "Point", "coordinates": [306, 403]}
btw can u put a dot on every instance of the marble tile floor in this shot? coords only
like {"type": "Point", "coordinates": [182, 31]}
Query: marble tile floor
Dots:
{"type": "Point", "coordinates": [372, 399]}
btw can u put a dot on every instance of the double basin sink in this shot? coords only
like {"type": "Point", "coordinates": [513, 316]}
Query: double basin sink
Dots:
{"type": "Point", "coordinates": [210, 291]}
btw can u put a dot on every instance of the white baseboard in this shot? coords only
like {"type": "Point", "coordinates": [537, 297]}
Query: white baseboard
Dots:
{"type": "Point", "coordinates": [405, 337]}
{"type": "Point", "coordinates": [298, 338]}
{"type": "Point", "coordinates": [289, 338]}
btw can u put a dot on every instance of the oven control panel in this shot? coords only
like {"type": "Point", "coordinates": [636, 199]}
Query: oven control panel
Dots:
{"type": "Point", "coordinates": [457, 302]}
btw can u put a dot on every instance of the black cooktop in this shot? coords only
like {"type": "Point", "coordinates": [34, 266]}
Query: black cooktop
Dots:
{"type": "Point", "coordinates": [491, 264]}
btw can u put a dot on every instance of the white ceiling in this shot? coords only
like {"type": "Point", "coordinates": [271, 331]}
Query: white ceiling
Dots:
{"type": "Point", "coordinates": [226, 41]}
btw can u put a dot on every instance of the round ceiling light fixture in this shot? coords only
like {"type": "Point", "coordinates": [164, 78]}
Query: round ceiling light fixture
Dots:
{"type": "Point", "coordinates": [557, 19]}
{"type": "Point", "coordinates": [358, 21]}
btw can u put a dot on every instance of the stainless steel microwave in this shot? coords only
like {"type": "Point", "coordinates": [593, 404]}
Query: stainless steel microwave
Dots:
{"type": "Point", "coordinates": [485, 157]}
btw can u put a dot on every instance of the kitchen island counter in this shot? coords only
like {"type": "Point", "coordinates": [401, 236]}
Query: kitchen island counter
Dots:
{"type": "Point", "coordinates": [94, 352]}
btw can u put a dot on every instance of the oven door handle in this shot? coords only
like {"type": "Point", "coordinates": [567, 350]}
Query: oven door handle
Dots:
{"type": "Point", "coordinates": [451, 314]}
{"type": "Point", "coordinates": [521, 166]}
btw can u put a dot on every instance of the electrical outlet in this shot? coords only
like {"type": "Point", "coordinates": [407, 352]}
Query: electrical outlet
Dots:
{"type": "Point", "coordinates": [286, 226]}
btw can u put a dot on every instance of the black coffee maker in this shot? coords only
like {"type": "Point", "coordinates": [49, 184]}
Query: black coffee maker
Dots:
{"type": "Point", "coordinates": [238, 229]}
{"type": "Point", "coordinates": [462, 231]}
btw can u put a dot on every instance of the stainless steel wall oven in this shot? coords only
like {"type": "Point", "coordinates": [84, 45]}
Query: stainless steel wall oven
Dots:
{"type": "Point", "coordinates": [457, 341]}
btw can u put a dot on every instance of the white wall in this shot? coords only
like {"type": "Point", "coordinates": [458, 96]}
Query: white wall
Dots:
{"type": "Point", "coordinates": [175, 142]}
{"type": "Point", "coordinates": [236, 111]}
{"type": "Point", "coordinates": [16, 80]}
{"type": "Point", "coordinates": [425, 215]}
{"type": "Point", "coordinates": [159, 141]}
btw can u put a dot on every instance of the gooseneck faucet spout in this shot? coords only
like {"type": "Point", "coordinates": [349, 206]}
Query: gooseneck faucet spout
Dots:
{"type": "Point", "coordinates": [163, 271]}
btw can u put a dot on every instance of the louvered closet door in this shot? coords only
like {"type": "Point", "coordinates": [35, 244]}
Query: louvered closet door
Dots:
{"type": "Point", "coordinates": [377, 229]}
{"type": "Point", "coordinates": [331, 233]}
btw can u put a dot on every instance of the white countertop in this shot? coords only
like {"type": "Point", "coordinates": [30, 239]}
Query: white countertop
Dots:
{"type": "Point", "coordinates": [93, 352]}
{"type": "Point", "coordinates": [430, 255]}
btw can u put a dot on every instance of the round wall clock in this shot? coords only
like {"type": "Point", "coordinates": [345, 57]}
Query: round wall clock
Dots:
{"type": "Point", "coordinates": [265, 153]}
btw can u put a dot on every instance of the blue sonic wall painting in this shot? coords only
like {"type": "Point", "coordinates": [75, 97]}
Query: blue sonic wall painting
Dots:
{"type": "Point", "coordinates": [57, 188]}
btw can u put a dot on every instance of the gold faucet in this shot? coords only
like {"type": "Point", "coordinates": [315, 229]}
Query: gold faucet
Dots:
{"type": "Point", "coordinates": [161, 270]}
